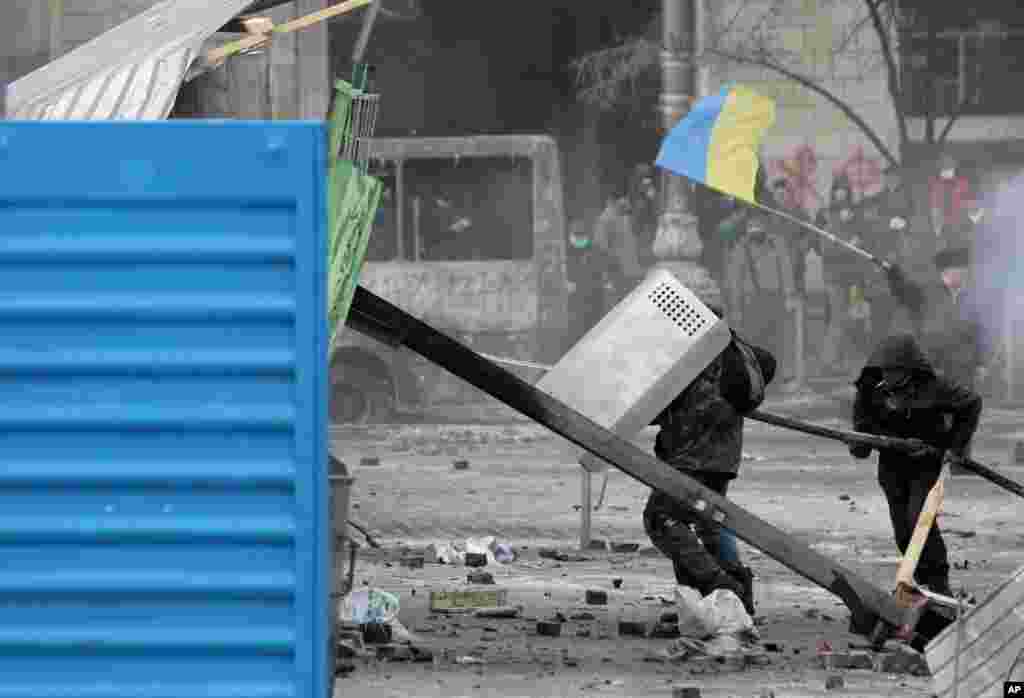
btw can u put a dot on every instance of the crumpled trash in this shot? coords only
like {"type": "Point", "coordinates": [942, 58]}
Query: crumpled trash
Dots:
{"type": "Point", "coordinates": [365, 606]}
{"type": "Point", "coordinates": [455, 553]}
{"type": "Point", "coordinates": [720, 613]}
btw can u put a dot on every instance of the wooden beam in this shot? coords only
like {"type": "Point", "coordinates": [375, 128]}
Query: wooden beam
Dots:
{"type": "Point", "coordinates": [304, 22]}
{"type": "Point", "coordinates": [868, 604]}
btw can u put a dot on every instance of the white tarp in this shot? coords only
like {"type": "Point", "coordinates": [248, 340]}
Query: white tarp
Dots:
{"type": "Point", "coordinates": [133, 71]}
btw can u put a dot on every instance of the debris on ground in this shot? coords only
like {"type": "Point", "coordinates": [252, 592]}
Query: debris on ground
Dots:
{"type": "Point", "coordinates": [834, 683]}
{"type": "Point", "coordinates": [475, 560]}
{"type": "Point", "coordinates": [625, 547]}
{"type": "Point", "coordinates": [365, 606]}
{"type": "Point", "coordinates": [597, 545]}
{"type": "Point", "coordinates": [460, 465]}
{"type": "Point", "coordinates": [617, 583]}
{"type": "Point", "coordinates": [632, 628]}
{"type": "Point", "coordinates": [369, 461]}
{"type": "Point", "coordinates": [480, 577]}
{"type": "Point", "coordinates": [596, 597]}
{"type": "Point", "coordinates": [412, 562]}
{"type": "Point", "coordinates": [846, 660]}
{"type": "Point", "coordinates": [471, 549]}
{"type": "Point", "coordinates": [500, 612]}
{"type": "Point", "coordinates": [686, 692]}
{"type": "Point", "coordinates": [902, 660]}
{"type": "Point", "coordinates": [547, 628]}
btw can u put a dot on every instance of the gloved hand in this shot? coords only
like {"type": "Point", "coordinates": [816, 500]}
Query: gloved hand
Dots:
{"type": "Point", "coordinates": [860, 451]}
{"type": "Point", "coordinates": [952, 459]}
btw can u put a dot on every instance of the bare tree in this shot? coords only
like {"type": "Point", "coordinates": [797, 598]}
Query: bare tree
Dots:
{"type": "Point", "coordinates": [750, 36]}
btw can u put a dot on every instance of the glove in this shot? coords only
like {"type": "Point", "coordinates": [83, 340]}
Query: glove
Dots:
{"type": "Point", "coordinates": [895, 274]}
{"type": "Point", "coordinates": [952, 459]}
{"type": "Point", "coordinates": [860, 451]}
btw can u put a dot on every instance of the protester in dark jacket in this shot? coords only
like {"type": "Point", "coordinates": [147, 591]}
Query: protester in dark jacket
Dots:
{"type": "Point", "coordinates": [899, 394]}
{"type": "Point", "coordinates": [701, 435]}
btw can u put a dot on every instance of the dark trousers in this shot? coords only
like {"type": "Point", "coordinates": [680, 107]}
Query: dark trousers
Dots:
{"type": "Point", "coordinates": [906, 486]}
{"type": "Point", "coordinates": [668, 523]}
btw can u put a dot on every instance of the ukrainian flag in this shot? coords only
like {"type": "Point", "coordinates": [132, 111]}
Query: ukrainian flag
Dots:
{"type": "Point", "coordinates": [717, 143]}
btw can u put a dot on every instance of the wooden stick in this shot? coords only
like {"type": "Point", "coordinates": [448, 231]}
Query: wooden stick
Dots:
{"type": "Point", "coordinates": [905, 574]}
{"type": "Point", "coordinates": [219, 54]}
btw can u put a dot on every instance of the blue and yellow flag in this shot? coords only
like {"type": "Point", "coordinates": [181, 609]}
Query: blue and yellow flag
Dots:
{"type": "Point", "coordinates": [717, 143]}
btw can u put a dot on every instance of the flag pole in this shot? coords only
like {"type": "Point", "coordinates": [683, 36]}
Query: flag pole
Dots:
{"type": "Point", "coordinates": [825, 234]}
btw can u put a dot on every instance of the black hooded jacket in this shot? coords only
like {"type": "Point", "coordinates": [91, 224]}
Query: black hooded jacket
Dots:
{"type": "Point", "coordinates": [928, 407]}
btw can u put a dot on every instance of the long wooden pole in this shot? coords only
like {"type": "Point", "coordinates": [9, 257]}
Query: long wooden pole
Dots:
{"type": "Point", "coordinates": [219, 54]}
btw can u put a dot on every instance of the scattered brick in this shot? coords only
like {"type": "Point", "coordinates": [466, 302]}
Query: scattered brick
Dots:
{"type": "Point", "coordinates": [549, 628]}
{"type": "Point", "coordinates": [369, 461]}
{"type": "Point", "coordinates": [902, 661]}
{"type": "Point", "coordinates": [665, 631]}
{"type": "Point", "coordinates": [617, 582]}
{"type": "Point", "coordinates": [480, 577]}
{"type": "Point", "coordinates": [460, 464]}
{"type": "Point", "coordinates": [476, 560]}
{"type": "Point", "coordinates": [583, 616]}
{"type": "Point", "coordinates": [685, 692]}
{"type": "Point", "coordinates": [596, 597]}
{"type": "Point", "coordinates": [834, 683]}
{"type": "Point", "coordinates": [632, 628]}
{"type": "Point", "coordinates": [625, 547]}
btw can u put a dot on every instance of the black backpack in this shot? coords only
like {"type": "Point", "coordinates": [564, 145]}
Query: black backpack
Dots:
{"type": "Point", "coordinates": [746, 372]}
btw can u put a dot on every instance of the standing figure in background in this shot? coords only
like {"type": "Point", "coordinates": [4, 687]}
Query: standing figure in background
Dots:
{"type": "Point", "coordinates": [762, 291]}
{"type": "Point", "coordinates": [843, 272]}
{"type": "Point", "coordinates": [644, 202]}
{"type": "Point", "coordinates": [594, 281]}
{"type": "Point", "coordinates": [615, 233]}
{"type": "Point", "coordinates": [950, 195]}
{"type": "Point", "coordinates": [887, 217]}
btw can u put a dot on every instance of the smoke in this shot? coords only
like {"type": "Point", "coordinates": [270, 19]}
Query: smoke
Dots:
{"type": "Point", "coordinates": [999, 279]}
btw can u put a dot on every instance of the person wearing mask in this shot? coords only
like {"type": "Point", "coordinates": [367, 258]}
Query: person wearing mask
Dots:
{"type": "Point", "coordinates": [701, 435]}
{"type": "Point", "coordinates": [899, 394]}
{"type": "Point", "coordinates": [594, 281]}
{"type": "Point", "coordinates": [762, 291]}
{"type": "Point", "coordinates": [844, 275]}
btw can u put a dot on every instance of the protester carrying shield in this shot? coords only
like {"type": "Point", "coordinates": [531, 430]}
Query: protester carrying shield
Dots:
{"type": "Point", "coordinates": [701, 434]}
{"type": "Point", "coordinates": [899, 394]}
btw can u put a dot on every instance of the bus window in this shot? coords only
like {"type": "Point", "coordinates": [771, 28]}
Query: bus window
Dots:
{"type": "Point", "coordinates": [384, 245]}
{"type": "Point", "coordinates": [470, 208]}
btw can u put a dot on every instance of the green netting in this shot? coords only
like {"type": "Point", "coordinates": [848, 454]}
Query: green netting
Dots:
{"type": "Point", "coordinates": [353, 198]}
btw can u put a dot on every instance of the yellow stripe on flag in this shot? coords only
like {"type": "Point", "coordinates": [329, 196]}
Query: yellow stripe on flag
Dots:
{"type": "Point", "coordinates": [732, 158]}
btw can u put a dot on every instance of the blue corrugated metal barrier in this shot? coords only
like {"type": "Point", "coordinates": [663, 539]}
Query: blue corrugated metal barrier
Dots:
{"type": "Point", "coordinates": [163, 523]}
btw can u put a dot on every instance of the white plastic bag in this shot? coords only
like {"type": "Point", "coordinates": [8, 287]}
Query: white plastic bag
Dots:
{"type": "Point", "coordinates": [719, 613]}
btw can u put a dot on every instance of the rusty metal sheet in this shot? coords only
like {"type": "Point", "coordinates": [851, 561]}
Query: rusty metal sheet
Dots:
{"type": "Point", "coordinates": [388, 149]}
{"type": "Point", "coordinates": [133, 71]}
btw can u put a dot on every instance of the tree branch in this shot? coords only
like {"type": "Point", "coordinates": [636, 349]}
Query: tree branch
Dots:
{"type": "Point", "coordinates": [953, 118]}
{"type": "Point", "coordinates": [892, 72]}
{"type": "Point", "coordinates": [809, 84]}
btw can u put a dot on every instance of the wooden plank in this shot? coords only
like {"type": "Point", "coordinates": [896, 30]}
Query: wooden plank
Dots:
{"type": "Point", "coordinates": [1008, 596]}
{"type": "Point", "coordinates": [379, 318]}
{"type": "Point", "coordinates": [467, 600]}
{"type": "Point", "coordinates": [908, 565]}
{"type": "Point", "coordinates": [219, 54]}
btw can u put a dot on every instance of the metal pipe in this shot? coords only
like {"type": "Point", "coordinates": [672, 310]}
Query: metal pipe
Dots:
{"type": "Point", "coordinates": [369, 20]}
{"type": "Point", "coordinates": [400, 208]}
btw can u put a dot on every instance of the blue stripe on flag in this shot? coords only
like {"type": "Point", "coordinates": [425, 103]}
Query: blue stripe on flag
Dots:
{"type": "Point", "coordinates": [685, 150]}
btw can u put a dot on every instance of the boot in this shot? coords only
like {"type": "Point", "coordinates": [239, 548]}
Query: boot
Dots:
{"type": "Point", "coordinates": [699, 570]}
{"type": "Point", "coordinates": [745, 576]}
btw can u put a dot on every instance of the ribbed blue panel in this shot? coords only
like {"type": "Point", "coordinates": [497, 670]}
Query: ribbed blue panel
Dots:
{"type": "Point", "coordinates": [162, 410]}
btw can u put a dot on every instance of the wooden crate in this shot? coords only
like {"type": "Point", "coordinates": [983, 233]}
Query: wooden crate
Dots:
{"type": "Point", "coordinates": [991, 646]}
